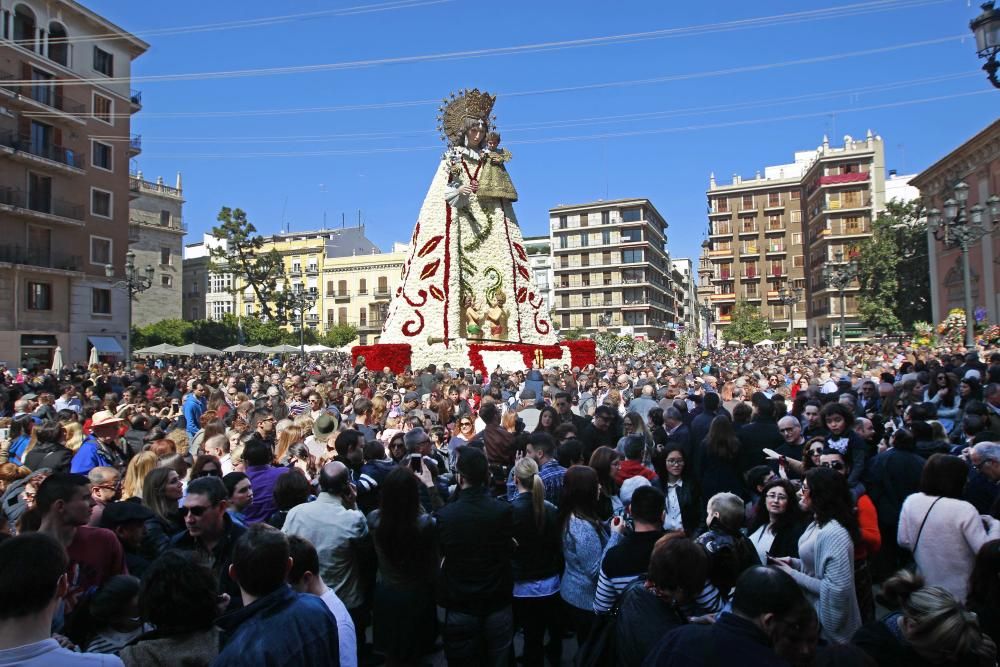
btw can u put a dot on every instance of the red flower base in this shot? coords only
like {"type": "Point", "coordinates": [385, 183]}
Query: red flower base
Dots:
{"type": "Point", "coordinates": [584, 351]}
{"type": "Point", "coordinates": [394, 356]}
{"type": "Point", "coordinates": [529, 353]}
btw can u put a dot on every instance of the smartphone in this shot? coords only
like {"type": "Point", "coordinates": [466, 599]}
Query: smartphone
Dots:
{"type": "Point", "coordinates": [417, 464]}
{"type": "Point", "coordinates": [4, 433]}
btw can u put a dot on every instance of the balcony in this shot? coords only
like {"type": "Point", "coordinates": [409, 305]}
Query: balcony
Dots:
{"type": "Point", "coordinates": [295, 272]}
{"type": "Point", "coordinates": [755, 296]}
{"type": "Point", "coordinates": [344, 295]}
{"type": "Point", "coordinates": [750, 250]}
{"type": "Point", "coordinates": [380, 294]}
{"type": "Point", "coordinates": [723, 276]}
{"type": "Point", "coordinates": [135, 99]}
{"type": "Point", "coordinates": [749, 229]}
{"type": "Point", "coordinates": [139, 185]}
{"type": "Point", "coordinates": [134, 145]}
{"type": "Point", "coordinates": [43, 93]}
{"type": "Point", "coordinates": [727, 296]}
{"type": "Point", "coordinates": [774, 205]}
{"type": "Point", "coordinates": [750, 275]}
{"type": "Point", "coordinates": [777, 272]}
{"type": "Point", "coordinates": [371, 324]}
{"type": "Point", "coordinates": [776, 249]}
{"type": "Point", "coordinates": [840, 179]}
{"type": "Point", "coordinates": [312, 270]}
{"type": "Point", "coordinates": [847, 204]}
{"type": "Point", "coordinates": [52, 153]}
{"type": "Point", "coordinates": [721, 252]}
{"type": "Point", "coordinates": [720, 213]}
{"type": "Point", "coordinates": [13, 254]}
{"type": "Point", "coordinates": [775, 229]}
{"type": "Point", "coordinates": [54, 210]}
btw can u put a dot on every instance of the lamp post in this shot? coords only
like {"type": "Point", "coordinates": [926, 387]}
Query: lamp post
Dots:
{"type": "Point", "coordinates": [706, 315]}
{"type": "Point", "coordinates": [134, 283]}
{"type": "Point", "coordinates": [839, 276]}
{"type": "Point", "coordinates": [986, 28]}
{"type": "Point", "coordinates": [957, 228]}
{"type": "Point", "coordinates": [300, 302]}
{"type": "Point", "coordinates": [790, 297]}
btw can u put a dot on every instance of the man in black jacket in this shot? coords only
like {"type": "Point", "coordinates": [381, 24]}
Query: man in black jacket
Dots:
{"type": "Point", "coordinates": [475, 584]}
{"type": "Point", "coordinates": [761, 432]}
{"type": "Point", "coordinates": [603, 431]}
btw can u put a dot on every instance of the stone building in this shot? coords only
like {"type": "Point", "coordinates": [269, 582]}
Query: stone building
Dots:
{"type": "Point", "coordinates": [156, 235]}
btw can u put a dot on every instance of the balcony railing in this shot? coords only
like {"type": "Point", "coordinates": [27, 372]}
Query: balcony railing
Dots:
{"type": "Point", "coordinates": [54, 206]}
{"type": "Point", "coordinates": [135, 97]}
{"type": "Point", "coordinates": [381, 293]}
{"type": "Point", "coordinates": [135, 142]}
{"type": "Point", "coordinates": [29, 257]}
{"type": "Point", "coordinates": [41, 92]}
{"type": "Point", "coordinates": [137, 184]}
{"type": "Point", "coordinates": [54, 152]}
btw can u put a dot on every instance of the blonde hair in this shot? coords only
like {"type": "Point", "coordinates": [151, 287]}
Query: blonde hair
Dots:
{"type": "Point", "coordinates": [74, 436]}
{"type": "Point", "coordinates": [526, 472]}
{"type": "Point", "coordinates": [288, 437]}
{"type": "Point", "coordinates": [509, 421]}
{"type": "Point", "coordinates": [136, 472]}
{"type": "Point", "coordinates": [937, 624]}
{"type": "Point", "coordinates": [379, 407]}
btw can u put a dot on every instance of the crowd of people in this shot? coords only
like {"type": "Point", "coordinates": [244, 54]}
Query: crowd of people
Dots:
{"type": "Point", "coordinates": [740, 506]}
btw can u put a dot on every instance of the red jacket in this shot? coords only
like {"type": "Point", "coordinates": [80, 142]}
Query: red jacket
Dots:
{"type": "Point", "coordinates": [631, 469]}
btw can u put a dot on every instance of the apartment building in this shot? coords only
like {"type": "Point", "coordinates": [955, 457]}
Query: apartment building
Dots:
{"type": "Point", "coordinates": [843, 190]}
{"type": "Point", "coordinates": [755, 245]}
{"type": "Point", "coordinates": [65, 143]}
{"type": "Point", "coordinates": [156, 235]}
{"type": "Point", "coordinates": [539, 249]}
{"type": "Point", "coordinates": [611, 268]}
{"type": "Point", "coordinates": [685, 295]}
{"type": "Point", "coordinates": [353, 281]}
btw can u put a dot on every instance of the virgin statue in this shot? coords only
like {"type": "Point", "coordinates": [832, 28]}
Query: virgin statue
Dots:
{"type": "Point", "coordinates": [467, 278]}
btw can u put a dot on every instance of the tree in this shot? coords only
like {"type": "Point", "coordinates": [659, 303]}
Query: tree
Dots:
{"type": "Point", "coordinates": [340, 335]}
{"type": "Point", "coordinates": [747, 324]}
{"type": "Point", "coordinates": [309, 337]}
{"type": "Point", "coordinates": [242, 256]}
{"type": "Point", "coordinates": [171, 332]}
{"type": "Point", "coordinates": [576, 333]}
{"type": "Point", "coordinates": [894, 270]}
{"type": "Point", "coordinates": [255, 330]}
{"type": "Point", "coordinates": [213, 333]}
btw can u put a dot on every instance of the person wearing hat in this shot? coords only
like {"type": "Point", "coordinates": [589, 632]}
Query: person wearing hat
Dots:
{"type": "Point", "coordinates": [100, 448]}
{"type": "Point", "coordinates": [319, 443]}
{"type": "Point", "coordinates": [127, 520]}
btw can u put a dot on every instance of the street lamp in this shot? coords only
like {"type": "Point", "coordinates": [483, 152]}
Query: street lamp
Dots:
{"type": "Point", "coordinates": [300, 302]}
{"type": "Point", "coordinates": [839, 276]}
{"type": "Point", "coordinates": [789, 298]}
{"type": "Point", "coordinates": [956, 228]}
{"type": "Point", "coordinates": [133, 284]}
{"type": "Point", "coordinates": [986, 28]}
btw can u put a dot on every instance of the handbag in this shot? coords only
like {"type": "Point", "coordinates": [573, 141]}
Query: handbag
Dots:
{"type": "Point", "coordinates": [600, 649]}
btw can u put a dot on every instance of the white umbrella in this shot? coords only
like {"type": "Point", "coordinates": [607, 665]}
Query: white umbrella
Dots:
{"type": "Point", "coordinates": [319, 348]}
{"type": "Point", "coordinates": [281, 349]}
{"type": "Point", "coordinates": [764, 343]}
{"type": "Point", "coordinates": [93, 360]}
{"type": "Point", "coordinates": [159, 348]}
{"type": "Point", "coordinates": [57, 360]}
{"type": "Point", "coordinates": [192, 349]}
{"type": "Point", "coordinates": [235, 348]}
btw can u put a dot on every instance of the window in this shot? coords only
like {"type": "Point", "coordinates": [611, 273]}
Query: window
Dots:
{"type": "Point", "coordinates": [342, 316]}
{"type": "Point", "coordinates": [563, 223]}
{"type": "Point", "coordinates": [584, 219]}
{"type": "Point", "coordinates": [563, 243]}
{"type": "Point", "coordinates": [631, 235]}
{"type": "Point", "coordinates": [796, 216]}
{"type": "Point", "coordinates": [104, 62]}
{"type": "Point", "coordinates": [248, 309]}
{"type": "Point", "coordinates": [166, 281]}
{"type": "Point", "coordinates": [363, 287]}
{"type": "Point", "coordinates": [363, 317]}
{"type": "Point", "coordinates": [720, 205]}
{"type": "Point", "coordinates": [746, 203]}
{"type": "Point", "coordinates": [773, 199]}
{"type": "Point", "coordinates": [100, 250]}
{"type": "Point", "coordinates": [794, 194]}
{"type": "Point", "coordinates": [631, 256]}
{"type": "Point", "coordinates": [796, 238]}
{"type": "Point", "coordinates": [39, 193]}
{"type": "Point", "coordinates": [101, 155]}
{"type": "Point", "coordinates": [383, 285]}
{"type": "Point", "coordinates": [100, 301]}
{"type": "Point", "coordinates": [341, 288]}
{"type": "Point", "coordinates": [164, 218]}
{"type": "Point", "coordinates": [584, 240]}
{"type": "Point", "coordinates": [102, 109]}
{"type": "Point", "coordinates": [564, 262]}
{"type": "Point", "coordinates": [799, 261]}
{"type": "Point", "coordinates": [165, 256]}
{"type": "Point", "coordinates": [632, 215]}
{"type": "Point", "coordinates": [606, 237]}
{"type": "Point", "coordinates": [605, 217]}
{"type": "Point", "coordinates": [41, 89]}
{"type": "Point", "coordinates": [100, 203]}
{"type": "Point", "coordinates": [39, 296]}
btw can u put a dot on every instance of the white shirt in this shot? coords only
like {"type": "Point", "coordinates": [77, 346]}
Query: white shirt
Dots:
{"type": "Point", "coordinates": [672, 520]}
{"type": "Point", "coordinates": [345, 629]}
{"type": "Point", "coordinates": [762, 539]}
{"type": "Point", "coordinates": [48, 653]}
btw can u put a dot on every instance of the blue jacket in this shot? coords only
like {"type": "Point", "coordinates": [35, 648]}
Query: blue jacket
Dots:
{"type": "Point", "coordinates": [88, 457]}
{"type": "Point", "coordinates": [281, 628]}
{"type": "Point", "coordinates": [193, 410]}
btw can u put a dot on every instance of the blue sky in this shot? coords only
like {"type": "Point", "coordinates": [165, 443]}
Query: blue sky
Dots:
{"type": "Point", "coordinates": [690, 92]}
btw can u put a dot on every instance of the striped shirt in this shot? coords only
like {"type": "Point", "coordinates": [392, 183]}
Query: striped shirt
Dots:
{"type": "Point", "coordinates": [623, 564]}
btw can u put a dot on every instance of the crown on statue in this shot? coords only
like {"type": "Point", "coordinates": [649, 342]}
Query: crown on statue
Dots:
{"type": "Point", "coordinates": [466, 104]}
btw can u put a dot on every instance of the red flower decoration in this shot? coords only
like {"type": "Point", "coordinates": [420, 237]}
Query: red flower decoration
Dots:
{"type": "Point", "coordinates": [394, 355]}
{"type": "Point", "coordinates": [523, 271]}
{"type": "Point", "coordinates": [436, 292]}
{"type": "Point", "coordinates": [430, 269]}
{"type": "Point", "coordinates": [522, 294]}
{"type": "Point", "coordinates": [520, 252]}
{"type": "Point", "coordinates": [429, 247]}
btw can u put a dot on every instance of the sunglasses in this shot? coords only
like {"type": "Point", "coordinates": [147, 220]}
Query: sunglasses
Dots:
{"type": "Point", "coordinates": [815, 452]}
{"type": "Point", "coordinates": [194, 511]}
{"type": "Point", "coordinates": [835, 465]}
{"type": "Point", "coordinates": [209, 473]}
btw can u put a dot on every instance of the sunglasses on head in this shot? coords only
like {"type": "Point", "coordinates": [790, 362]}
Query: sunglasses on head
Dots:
{"type": "Point", "coordinates": [194, 511]}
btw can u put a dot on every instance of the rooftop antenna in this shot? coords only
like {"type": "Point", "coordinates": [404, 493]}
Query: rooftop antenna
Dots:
{"type": "Point", "coordinates": [343, 220]}
{"type": "Point", "coordinates": [323, 190]}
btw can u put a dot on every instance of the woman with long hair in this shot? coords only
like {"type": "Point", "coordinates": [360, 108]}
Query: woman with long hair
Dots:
{"type": "Point", "coordinates": [19, 439]}
{"type": "Point", "coordinates": [537, 563]}
{"type": "Point", "coordinates": [720, 467]}
{"type": "Point", "coordinates": [74, 435]}
{"type": "Point", "coordinates": [161, 491]}
{"type": "Point", "coordinates": [377, 419]}
{"type": "Point", "coordinates": [778, 521]}
{"type": "Point", "coordinates": [135, 474]}
{"type": "Point", "coordinates": [548, 419]}
{"type": "Point", "coordinates": [984, 588]}
{"type": "Point", "coordinates": [405, 616]}
{"type": "Point", "coordinates": [465, 432]}
{"type": "Point", "coordinates": [49, 449]}
{"type": "Point", "coordinates": [825, 566]}
{"type": "Point", "coordinates": [584, 540]}
{"type": "Point", "coordinates": [684, 509]}
{"type": "Point", "coordinates": [930, 627]}
{"type": "Point", "coordinates": [288, 437]}
{"type": "Point", "coordinates": [634, 424]}
{"type": "Point", "coordinates": [606, 462]}
{"type": "Point", "coordinates": [942, 391]}
{"type": "Point", "coordinates": [206, 465]}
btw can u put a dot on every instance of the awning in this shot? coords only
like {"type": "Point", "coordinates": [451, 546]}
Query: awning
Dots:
{"type": "Point", "coordinates": [107, 345]}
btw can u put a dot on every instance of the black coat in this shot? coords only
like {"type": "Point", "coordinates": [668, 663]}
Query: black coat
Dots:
{"type": "Point", "coordinates": [754, 437]}
{"type": "Point", "coordinates": [475, 534]}
{"type": "Point", "coordinates": [692, 505]}
{"type": "Point", "coordinates": [892, 476]}
{"type": "Point", "coordinates": [538, 553]}
{"type": "Point", "coordinates": [50, 455]}
{"type": "Point", "coordinates": [699, 427]}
